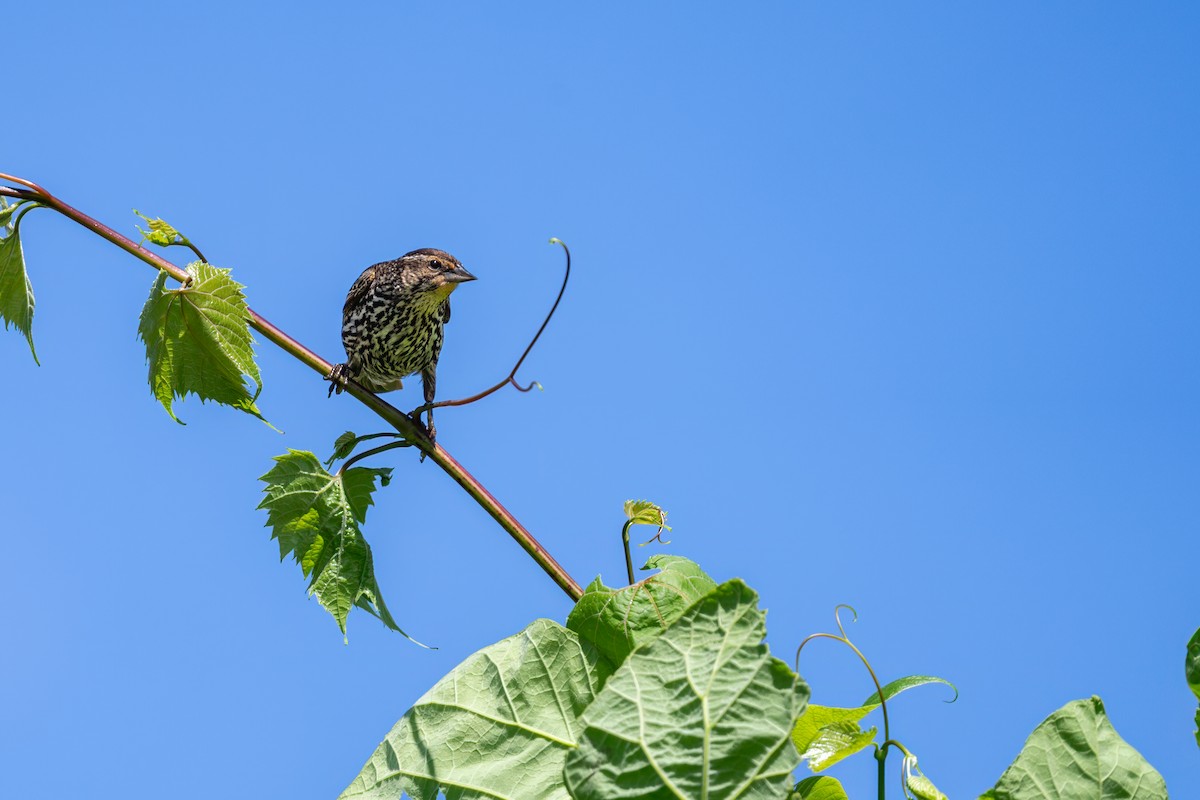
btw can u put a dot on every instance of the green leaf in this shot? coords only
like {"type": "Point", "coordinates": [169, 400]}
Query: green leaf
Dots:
{"type": "Point", "coordinates": [343, 446]}
{"type": "Point", "coordinates": [818, 787]}
{"type": "Point", "coordinates": [918, 786]}
{"type": "Point", "coordinates": [643, 512]}
{"type": "Point", "coordinates": [497, 727]}
{"type": "Point", "coordinates": [315, 516]}
{"type": "Point", "coordinates": [827, 734]}
{"type": "Point", "coordinates": [899, 685]}
{"type": "Point", "coordinates": [6, 212]}
{"type": "Point", "coordinates": [834, 741]}
{"type": "Point", "coordinates": [198, 341]}
{"type": "Point", "coordinates": [1076, 753]}
{"type": "Point", "coordinates": [1192, 670]}
{"type": "Point", "coordinates": [160, 233]}
{"type": "Point", "coordinates": [618, 621]}
{"type": "Point", "coordinates": [703, 711]}
{"type": "Point", "coordinates": [1192, 663]}
{"type": "Point", "coordinates": [16, 292]}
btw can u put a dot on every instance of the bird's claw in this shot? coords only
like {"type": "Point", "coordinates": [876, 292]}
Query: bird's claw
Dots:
{"type": "Point", "coordinates": [338, 379]}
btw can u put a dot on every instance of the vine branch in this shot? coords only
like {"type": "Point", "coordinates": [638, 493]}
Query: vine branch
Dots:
{"type": "Point", "coordinates": [411, 431]}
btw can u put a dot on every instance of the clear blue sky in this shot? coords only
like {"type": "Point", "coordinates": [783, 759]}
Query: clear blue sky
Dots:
{"type": "Point", "coordinates": [894, 307]}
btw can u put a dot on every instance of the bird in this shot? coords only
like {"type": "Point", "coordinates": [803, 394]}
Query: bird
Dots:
{"type": "Point", "coordinates": [392, 323]}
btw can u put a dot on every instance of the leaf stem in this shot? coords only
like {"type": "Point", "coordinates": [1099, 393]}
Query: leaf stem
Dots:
{"type": "Point", "coordinates": [411, 431]}
{"type": "Point", "coordinates": [628, 556]}
{"type": "Point", "coordinates": [374, 451]}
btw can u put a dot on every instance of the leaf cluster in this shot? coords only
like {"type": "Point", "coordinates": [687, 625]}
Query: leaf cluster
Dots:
{"type": "Point", "coordinates": [316, 516]}
{"type": "Point", "coordinates": [664, 689]}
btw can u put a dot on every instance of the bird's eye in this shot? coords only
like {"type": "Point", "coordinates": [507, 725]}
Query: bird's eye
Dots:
{"type": "Point", "coordinates": [437, 264]}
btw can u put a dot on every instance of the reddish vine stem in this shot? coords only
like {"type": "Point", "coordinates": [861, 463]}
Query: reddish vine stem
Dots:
{"type": "Point", "coordinates": [512, 376]}
{"type": "Point", "coordinates": [390, 414]}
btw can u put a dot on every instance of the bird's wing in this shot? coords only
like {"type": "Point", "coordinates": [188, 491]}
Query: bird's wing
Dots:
{"type": "Point", "coordinates": [358, 292]}
{"type": "Point", "coordinates": [445, 311]}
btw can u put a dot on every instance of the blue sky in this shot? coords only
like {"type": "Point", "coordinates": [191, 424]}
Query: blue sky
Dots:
{"type": "Point", "coordinates": [893, 307]}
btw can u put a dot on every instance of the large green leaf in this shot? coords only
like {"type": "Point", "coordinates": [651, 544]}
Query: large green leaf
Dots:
{"type": "Point", "coordinates": [16, 292]}
{"type": "Point", "coordinates": [1076, 754]}
{"type": "Point", "coordinates": [827, 734]}
{"type": "Point", "coordinates": [618, 621]}
{"type": "Point", "coordinates": [702, 712]}
{"type": "Point", "coordinates": [198, 341]}
{"type": "Point", "coordinates": [497, 727]}
{"type": "Point", "coordinates": [1192, 671]}
{"type": "Point", "coordinates": [315, 516]}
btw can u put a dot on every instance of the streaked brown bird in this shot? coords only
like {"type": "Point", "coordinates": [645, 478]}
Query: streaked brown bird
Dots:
{"type": "Point", "coordinates": [392, 322]}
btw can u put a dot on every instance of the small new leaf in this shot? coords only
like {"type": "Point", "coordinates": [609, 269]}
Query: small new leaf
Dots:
{"type": "Point", "coordinates": [315, 516]}
{"type": "Point", "coordinates": [16, 292]}
{"type": "Point", "coordinates": [198, 341]}
{"type": "Point", "coordinates": [161, 233]}
{"type": "Point", "coordinates": [343, 446]}
{"type": "Point", "coordinates": [643, 512]}
{"type": "Point", "coordinates": [827, 734]}
{"type": "Point", "coordinates": [917, 785]}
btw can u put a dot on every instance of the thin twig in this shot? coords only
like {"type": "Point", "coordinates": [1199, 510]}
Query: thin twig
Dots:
{"type": "Point", "coordinates": [392, 415]}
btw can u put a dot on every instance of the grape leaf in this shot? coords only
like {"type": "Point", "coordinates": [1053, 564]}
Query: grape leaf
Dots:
{"type": "Point", "coordinates": [161, 232]}
{"type": "Point", "coordinates": [315, 516]}
{"type": "Point", "coordinates": [703, 711]}
{"type": "Point", "coordinates": [818, 787]}
{"type": "Point", "coordinates": [618, 621]}
{"type": "Point", "coordinates": [498, 726]}
{"type": "Point", "coordinates": [1076, 753]}
{"type": "Point", "coordinates": [917, 785]}
{"type": "Point", "coordinates": [643, 512]}
{"type": "Point", "coordinates": [198, 341]}
{"type": "Point", "coordinates": [827, 734]}
{"type": "Point", "coordinates": [16, 292]}
{"type": "Point", "coordinates": [1192, 672]}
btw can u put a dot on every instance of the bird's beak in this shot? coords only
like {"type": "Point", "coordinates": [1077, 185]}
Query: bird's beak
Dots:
{"type": "Point", "coordinates": [459, 275]}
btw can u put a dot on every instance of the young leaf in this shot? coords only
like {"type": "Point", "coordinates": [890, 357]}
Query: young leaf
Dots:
{"type": "Point", "coordinates": [818, 787]}
{"type": "Point", "coordinates": [16, 292]}
{"type": "Point", "coordinates": [827, 734]}
{"type": "Point", "coordinates": [920, 787]}
{"type": "Point", "coordinates": [1076, 752]}
{"type": "Point", "coordinates": [497, 727]}
{"type": "Point", "coordinates": [198, 341]}
{"type": "Point", "coordinates": [315, 516]}
{"type": "Point", "coordinates": [643, 512]}
{"type": "Point", "coordinates": [342, 447]}
{"type": "Point", "coordinates": [703, 711]}
{"type": "Point", "coordinates": [160, 233]}
{"type": "Point", "coordinates": [836, 739]}
{"type": "Point", "coordinates": [618, 621]}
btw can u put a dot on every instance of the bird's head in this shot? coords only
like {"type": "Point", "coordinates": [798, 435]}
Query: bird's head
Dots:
{"type": "Point", "coordinates": [433, 273]}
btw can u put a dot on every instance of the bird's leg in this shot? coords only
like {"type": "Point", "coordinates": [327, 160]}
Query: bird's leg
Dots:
{"type": "Point", "coordinates": [429, 384]}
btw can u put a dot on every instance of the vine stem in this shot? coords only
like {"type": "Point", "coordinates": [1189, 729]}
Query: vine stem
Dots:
{"type": "Point", "coordinates": [389, 413]}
